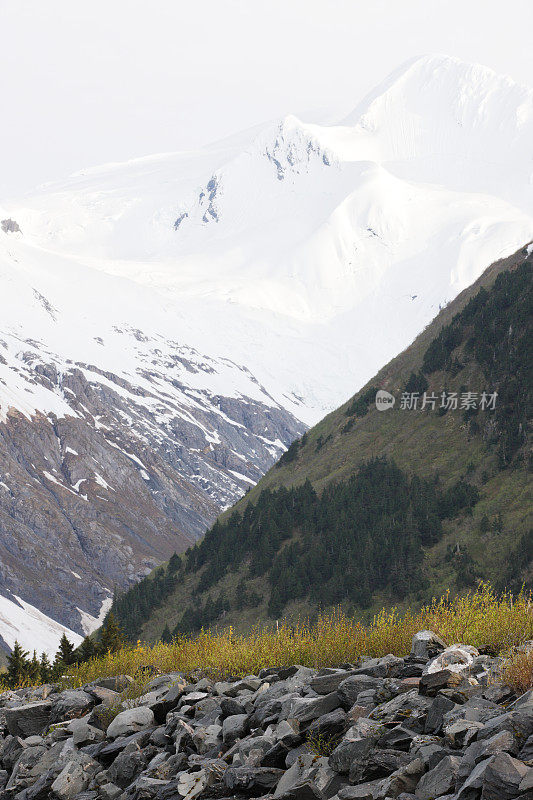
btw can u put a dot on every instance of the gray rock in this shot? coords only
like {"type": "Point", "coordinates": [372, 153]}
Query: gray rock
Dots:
{"type": "Point", "coordinates": [251, 684]}
{"type": "Point", "coordinates": [108, 791]}
{"type": "Point", "coordinates": [471, 788]}
{"type": "Point", "coordinates": [296, 774]}
{"type": "Point", "coordinates": [461, 733]}
{"type": "Point", "coordinates": [440, 780]}
{"type": "Point", "coordinates": [305, 790]}
{"type": "Point", "coordinates": [385, 667]}
{"type": "Point", "coordinates": [252, 780]}
{"type": "Point", "coordinates": [130, 721]}
{"type": "Point", "coordinates": [526, 784]}
{"type": "Point", "coordinates": [518, 723]}
{"type": "Point", "coordinates": [229, 707]}
{"type": "Point", "coordinates": [117, 683]}
{"type": "Point", "coordinates": [40, 790]}
{"type": "Point", "coordinates": [329, 681]}
{"type": "Point", "coordinates": [371, 790]}
{"type": "Point", "coordinates": [126, 766]}
{"type": "Point", "coordinates": [350, 688]}
{"type": "Point", "coordinates": [83, 733]}
{"type": "Point", "coordinates": [306, 709]}
{"type": "Point", "coordinates": [481, 750]}
{"type": "Point", "coordinates": [409, 708]}
{"type": "Point", "coordinates": [71, 704]}
{"type": "Point", "coordinates": [328, 726]}
{"type": "Point", "coordinates": [287, 732]}
{"type": "Point", "coordinates": [29, 719]}
{"type": "Point", "coordinates": [348, 752]}
{"type": "Point", "coordinates": [398, 738]}
{"type": "Point", "coordinates": [502, 778]}
{"type": "Point", "coordinates": [427, 644]}
{"type": "Point", "coordinates": [434, 682]}
{"type": "Point", "coordinates": [207, 739]}
{"type": "Point", "coordinates": [435, 718]}
{"type": "Point", "coordinates": [404, 780]}
{"type": "Point", "coordinates": [379, 764]}
{"type": "Point", "coordinates": [233, 728]}
{"type": "Point", "coordinates": [22, 769]}
{"type": "Point", "coordinates": [74, 777]}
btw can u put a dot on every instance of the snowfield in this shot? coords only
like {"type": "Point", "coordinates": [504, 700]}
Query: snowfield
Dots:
{"type": "Point", "coordinates": [281, 249]}
{"type": "Point", "coordinates": [289, 262]}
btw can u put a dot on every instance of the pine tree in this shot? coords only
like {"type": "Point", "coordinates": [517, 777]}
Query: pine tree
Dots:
{"type": "Point", "coordinates": [174, 563]}
{"type": "Point", "coordinates": [65, 653]}
{"type": "Point", "coordinates": [275, 605]}
{"type": "Point", "coordinates": [34, 669]}
{"type": "Point", "coordinates": [111, 638]}
{"type": "Point", "coordinates": [17, 665]}
{"type": "Point", "coordinates": [86, 650]}
{"type": "Point", "coordinates": [45, 669]}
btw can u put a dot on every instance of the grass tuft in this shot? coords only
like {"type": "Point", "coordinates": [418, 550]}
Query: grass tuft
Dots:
{"type": "Point", "coordinates": [518, 671]}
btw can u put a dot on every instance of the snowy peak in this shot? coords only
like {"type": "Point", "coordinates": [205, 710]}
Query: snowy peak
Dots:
{"type": "Point", "coordinates": [292, 148]}
{"type": "Point", "coordinates": [445, 121]}
{"type": "Point", "coordinates": [472, 93]}
{"type": "Point", "coordinates": [282, 152]}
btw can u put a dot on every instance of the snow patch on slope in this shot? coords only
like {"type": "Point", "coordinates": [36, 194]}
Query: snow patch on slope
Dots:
{"type": "Point", "coordinates": [31, 628]}
{"type": "Point", "coordinates": [90, 623]}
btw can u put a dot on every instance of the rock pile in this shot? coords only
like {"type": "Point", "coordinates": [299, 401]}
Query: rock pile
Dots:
{"type": "Point", "coordinates": [436, 724]}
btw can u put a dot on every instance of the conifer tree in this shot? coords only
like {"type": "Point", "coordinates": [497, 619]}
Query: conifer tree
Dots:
{"type": "Point", "coordinates": [86, 650]}
{"type": "Point", "coordinates": [65, 653]}
{"type": "Point", "coordinates": [17, 665]}
{"type": "Point", "coordinates": [45, 668]}
{"type": "Point", "coordinates": [34, 669]}
{"type": "Point", "coordinates": [174, 563]}
{"type": "Point", "coordinates": [111, 638]}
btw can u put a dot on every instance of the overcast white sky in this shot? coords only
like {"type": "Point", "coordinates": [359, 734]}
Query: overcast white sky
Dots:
{"type": "Point", "coordinates": [83, 83]}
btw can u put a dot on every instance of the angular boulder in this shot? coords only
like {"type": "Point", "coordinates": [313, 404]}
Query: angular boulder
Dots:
{"type": "Point", "coordinates": [130, 721]}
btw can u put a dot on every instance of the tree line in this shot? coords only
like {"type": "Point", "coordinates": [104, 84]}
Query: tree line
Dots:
{"type": "Point", "coordinates": [26, 669]}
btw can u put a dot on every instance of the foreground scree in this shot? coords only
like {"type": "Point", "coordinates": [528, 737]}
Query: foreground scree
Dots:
{"type": "Point", "coordinates": [437, 724]}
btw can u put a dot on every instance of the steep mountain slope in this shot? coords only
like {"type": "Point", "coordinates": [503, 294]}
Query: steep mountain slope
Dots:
{"type": "Point", "coordinates": [383, 506]}
{"type": "Point", "coordinates": [169, 325]}
{"type": "Point", "coordinates": [118, 445]}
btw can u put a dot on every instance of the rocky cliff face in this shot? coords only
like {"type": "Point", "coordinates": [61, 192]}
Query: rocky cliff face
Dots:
{"type": "Point", "coordinates": [96, 495]}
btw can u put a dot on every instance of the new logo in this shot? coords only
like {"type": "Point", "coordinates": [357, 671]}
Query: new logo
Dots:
{"type": "Point", "coordinates": [384, 400]}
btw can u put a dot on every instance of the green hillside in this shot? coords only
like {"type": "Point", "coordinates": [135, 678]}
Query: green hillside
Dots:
{"type": "Point", "coordinates": [381, 507]}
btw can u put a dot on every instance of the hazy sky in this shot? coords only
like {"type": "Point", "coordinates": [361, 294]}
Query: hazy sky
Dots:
{"type": "Point", "coordinates": [83, 83]}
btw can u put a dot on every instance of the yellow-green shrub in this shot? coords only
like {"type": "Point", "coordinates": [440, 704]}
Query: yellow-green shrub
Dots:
{"type": "Point", "coordinates": [479, 618]}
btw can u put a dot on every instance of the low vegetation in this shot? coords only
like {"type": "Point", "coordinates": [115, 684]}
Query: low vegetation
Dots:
{"type": "Point", "coordinates": [494, 623]}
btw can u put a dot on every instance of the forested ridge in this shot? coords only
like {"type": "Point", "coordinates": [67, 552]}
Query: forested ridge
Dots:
{"type": "Point", "coordinates": [341, 546]}
{"type": "Point", "coordinates": [370, 533]}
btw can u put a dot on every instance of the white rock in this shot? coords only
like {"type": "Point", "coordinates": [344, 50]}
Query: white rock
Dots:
{"type": "Point", "coordinates": [457, 658]}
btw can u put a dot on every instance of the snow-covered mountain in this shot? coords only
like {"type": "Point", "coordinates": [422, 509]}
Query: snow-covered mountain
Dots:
{"type": "Point", "coordinates": [170, 323]}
